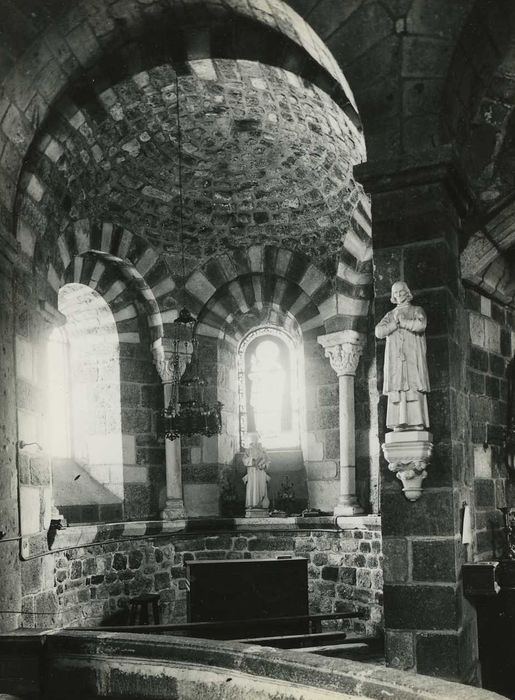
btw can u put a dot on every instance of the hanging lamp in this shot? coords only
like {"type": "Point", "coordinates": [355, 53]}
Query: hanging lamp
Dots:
{"type": "Point", "coordinates": [187, 413]}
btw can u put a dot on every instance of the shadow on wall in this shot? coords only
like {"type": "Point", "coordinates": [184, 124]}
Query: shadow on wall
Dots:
{"type": "Point", "coordinates": [79, 497]}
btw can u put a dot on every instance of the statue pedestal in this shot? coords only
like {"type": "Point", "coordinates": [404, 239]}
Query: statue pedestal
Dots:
{"type": "Point", "coordinates": [256, 513]}
{"type": "Point", "coordinates": [408, 452]}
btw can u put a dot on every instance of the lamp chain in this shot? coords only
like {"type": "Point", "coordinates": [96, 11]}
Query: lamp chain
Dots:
{"type": "Point", "coordinates": [187, 414]}
{"type": "Point", "coordinates": [179, 164]}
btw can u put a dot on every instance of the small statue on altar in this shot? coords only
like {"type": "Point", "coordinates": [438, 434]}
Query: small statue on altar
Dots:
{"type": "Point", "coordinates": [256, 479]}
{"type": "Point", "coordinates": [406, 379]}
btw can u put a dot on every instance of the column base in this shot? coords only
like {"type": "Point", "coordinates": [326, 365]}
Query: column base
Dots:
{"type": "Point", "coordinates": [173, 510]}
{"type": "Point", "coordinates": [348, 507]}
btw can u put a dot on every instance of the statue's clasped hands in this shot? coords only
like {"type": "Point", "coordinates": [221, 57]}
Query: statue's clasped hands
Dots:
{"type": "Point", "coordinates": [399, 320]}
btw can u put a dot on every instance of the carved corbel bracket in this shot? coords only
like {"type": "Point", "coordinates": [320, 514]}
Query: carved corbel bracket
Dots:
{"type": "Point", "coordinates": [408, 454]}
{"type": "Point", "coordinates": [411, 474]}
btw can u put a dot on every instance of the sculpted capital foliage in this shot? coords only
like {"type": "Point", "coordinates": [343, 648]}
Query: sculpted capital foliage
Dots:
{"type": "Point", "coordinates": [344, 357]}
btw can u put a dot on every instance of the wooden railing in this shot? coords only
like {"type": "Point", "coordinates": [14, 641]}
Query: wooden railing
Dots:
{"type": "Point", "coordinates": [249, 629]}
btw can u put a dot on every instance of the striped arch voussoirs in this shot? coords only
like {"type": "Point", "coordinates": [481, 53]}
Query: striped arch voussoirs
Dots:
{"type": "Point", "coordinates": [249, 298]}
{"type": "Point", "coordinates": [230, 285]}
{"type": "Point", "coordinates": [486, 262]}
{"type": "Point", "coordinates": [120, 266]}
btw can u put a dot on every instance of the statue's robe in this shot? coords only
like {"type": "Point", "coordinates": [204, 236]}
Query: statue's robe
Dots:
{"type": "Point", "coordinates": [406, 379]}
{"type": "Point", "coordinates": [256, 479]}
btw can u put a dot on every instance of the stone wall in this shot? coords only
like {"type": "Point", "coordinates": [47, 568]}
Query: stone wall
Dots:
{"type": "Point", "coordinates": [226, 393]}
{"type": "Point", "coordinates": [143, 451]}
{"type": "Point", "coordinates": [368, 450]}
{"type": "Point", "coordinates": [322, 423]}
{"type": "Point", "coordinates": [491, 349]}
{"type": "Point", "coordinates": [204, 459]}
{"type": "Point", "coordinates": [429, 627]}
{"type": "Point", "coordinates": [92, 585]}
{"type": "Point", "coordinates": [10, 587]}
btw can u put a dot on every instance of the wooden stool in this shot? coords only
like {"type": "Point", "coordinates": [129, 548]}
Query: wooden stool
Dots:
{"type": "Point", "coordinates": [140, 607]}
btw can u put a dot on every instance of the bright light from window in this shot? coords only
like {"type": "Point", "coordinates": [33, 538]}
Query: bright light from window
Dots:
{"type": "Point", "coordinates": [59, 394]}
{"type": "Point", "coordinates": [269, 379]}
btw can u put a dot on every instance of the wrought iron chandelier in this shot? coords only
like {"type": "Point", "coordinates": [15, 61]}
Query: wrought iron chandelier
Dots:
{"type": "Point", "coordinates": [187, 412]}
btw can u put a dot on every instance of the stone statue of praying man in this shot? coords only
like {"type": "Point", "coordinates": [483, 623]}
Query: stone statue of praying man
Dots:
{"type": "Point", "coordinates": [406, 380]}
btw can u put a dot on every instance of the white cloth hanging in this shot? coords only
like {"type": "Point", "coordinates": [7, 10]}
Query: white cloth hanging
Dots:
{"type": "Point", "coordinates": [466, 528]}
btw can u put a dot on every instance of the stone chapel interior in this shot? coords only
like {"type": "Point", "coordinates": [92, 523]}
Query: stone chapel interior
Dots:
{"type": "Point", "coordinates": [274, 167]}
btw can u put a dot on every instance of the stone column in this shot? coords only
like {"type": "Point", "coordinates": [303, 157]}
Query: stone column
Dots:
{"type": "Point", "coordinates": [174, 506]}
{"type": "Point", "coordinates": [344, 349]}
{"type": "Point", "coordinates": [418, 202]}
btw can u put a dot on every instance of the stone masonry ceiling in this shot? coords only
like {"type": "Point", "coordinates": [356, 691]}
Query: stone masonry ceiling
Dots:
{"type": "Point", "coordinates": [49, 45]}
{"type": "Point", "coordinates": [266, 159]}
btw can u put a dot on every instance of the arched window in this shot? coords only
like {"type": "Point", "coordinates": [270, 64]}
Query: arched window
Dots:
{"type": "Point", "coordinates": [84, 411]}
{"type": "Point", "coordinates": [269, 380]}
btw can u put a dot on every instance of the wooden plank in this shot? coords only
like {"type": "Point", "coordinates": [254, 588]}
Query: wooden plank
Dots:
{"type": "Point", "coordinates": [343, 646]}
{"type": "Point", "coordinates": [225, 624]}
{"type": "Point", "coordinates": [295, 640]}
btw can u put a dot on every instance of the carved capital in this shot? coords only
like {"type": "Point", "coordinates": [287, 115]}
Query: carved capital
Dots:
{"type": "Point", "coordinates": [170, 367]}
{"type": "Point", "coordinates": [343, 349]}
{"type": "Point", "coordinates": [164, 365]}
{"type": "Point", "coordinates": [344, 358]}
